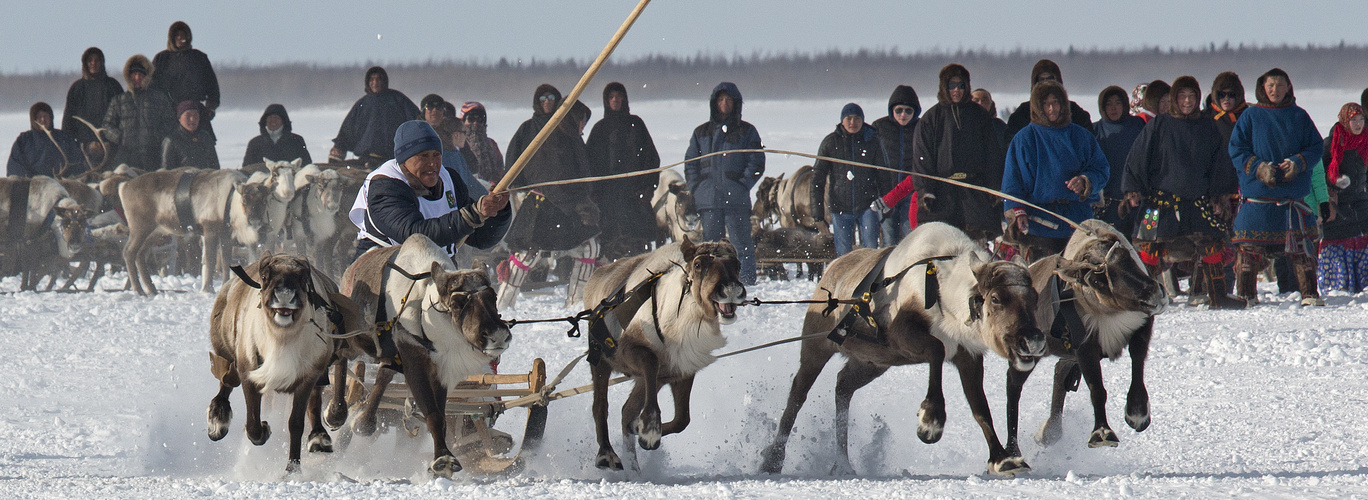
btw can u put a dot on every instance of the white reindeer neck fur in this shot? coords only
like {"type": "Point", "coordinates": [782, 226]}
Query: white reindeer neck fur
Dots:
{"type": "Point", "coordinates": [286, 353]}
{"type": "Point", "coordinates": [242, 230]}
{"type": "Point", "coordinates": [955, 277]}
{"type": "Point", "coordinates": [691, 331]}
{"type": "Point", "coordinates": [454, 357]}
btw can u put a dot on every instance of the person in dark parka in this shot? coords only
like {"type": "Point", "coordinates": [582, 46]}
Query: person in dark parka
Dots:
{"type": "Point", "coordinates": [896, 133]}
{"type": "Point", "coordinates": [277, 141]}
{"type": "Point", "coordinates": [36, 153]}
{"type": "Point", "coordinates": [721, 184]}
{"type": "Point", "coordinates": [1177, 176]}
{"type": "Point", "coordinates": [1274, 148]}
{"type": "Point", "coordinates": [553, 218]}
{"type": "Point", "coordinates": [1156, 100]}
{"type": "Point", "coordinates": [88, 99]}
{"type": "Point", "coordinates": [368, 129]}
{"type": "Point", "coordinates": [481, 152]}
{"type": "Point", "coordinates": [139, 119]}
{"type": "Point", "coordinates": [1228, 102]}
{"type": "Point", "coordinates": [954, 140]}
{"type": "Point", "coordinates": [1044, 70]}
{"type": "Point", "coordinates": [189, 145]}
{"type": "Point", "coordinates": [1115, 133]}
{"type": "Point", "coordinates": [1055, 164]}
{"type": "Point", "coordinates": [186, 75]}
{"type": "Point", "coordinates": [984, 98]}
{"type": "Point", "coordinates": [619, 144]}
{"type": "Point", "coordinates": [848, 190]}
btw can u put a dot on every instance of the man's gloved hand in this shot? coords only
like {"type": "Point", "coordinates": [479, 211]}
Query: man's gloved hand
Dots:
{"type": "Point", "coordinates": [880, 207]}
{"type": "Point", "coordinates": [336, 155]}
{"type": "Point", "coordinates": [490, 204]}
{"type": "Point", "coordinates": [1081, 185]}
{"type": "Point", "coordinates": [1267, 173]}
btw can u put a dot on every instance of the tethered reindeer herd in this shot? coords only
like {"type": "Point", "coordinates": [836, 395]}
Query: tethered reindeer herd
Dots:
{"type": "Point", "coordinates": [402, 334]}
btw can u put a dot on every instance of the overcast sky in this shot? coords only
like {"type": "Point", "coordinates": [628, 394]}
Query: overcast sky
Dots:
{"type": "Point", "coordinates": [50, 35]}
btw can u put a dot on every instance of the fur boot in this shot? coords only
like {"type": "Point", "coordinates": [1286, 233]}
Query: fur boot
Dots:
{"type": "Point", "coordinates": [518, 265]}
{"type": "Point", "coordinates": [1304, 266]}
{"type": "Point", "coordinates": [1216, 286]}
{"type": "Point", "coordinates": [585, 261]}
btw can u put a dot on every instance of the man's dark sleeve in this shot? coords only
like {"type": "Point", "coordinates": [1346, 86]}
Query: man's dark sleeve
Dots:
{"type": "Point", "coordinates": [393, 208]}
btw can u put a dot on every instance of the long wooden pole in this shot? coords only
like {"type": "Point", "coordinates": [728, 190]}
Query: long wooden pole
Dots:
{"type": "Point", "coordinates": [569, 102]}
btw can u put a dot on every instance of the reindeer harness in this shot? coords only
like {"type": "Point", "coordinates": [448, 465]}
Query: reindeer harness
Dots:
{"type": "Point", "coordinates": [859, 319]}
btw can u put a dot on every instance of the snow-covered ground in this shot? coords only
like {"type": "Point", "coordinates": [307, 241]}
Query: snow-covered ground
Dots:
{"type": "Point", "coordinates": [794, 125]}
{"type": "Point", "coordinates": [104, 397]}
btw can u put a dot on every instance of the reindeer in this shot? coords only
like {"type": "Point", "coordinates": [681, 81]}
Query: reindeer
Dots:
{"type": "Point", "coordinates": [1115, 300]}
{"type": "Point", "coordinates": [445, 327]}
{"type": "Point", "coordinates": [668, 340]}
{"type": "Point", "coordinates": [220, 201]}
{"type": "Point", "coordinates": [337, 251]}
{"type": "Point", "coordinates": [980, 307]}
{"type": "Point", "coordinates": [278, 179]}
{"type": "Point", "coordinates": [313, 213]}
{"type": "Point", "coordinates": [789, 202]}
{"type": "Point", "coordinates": [674, 209]}
{"type": "Point", "coordinates": [271, 330]}
{"type": "Point", "coordinates": [40, 218]}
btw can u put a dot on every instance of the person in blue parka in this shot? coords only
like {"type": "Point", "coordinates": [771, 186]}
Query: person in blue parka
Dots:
{"type": "Point", "coordinates": [368, 129]}
{"type": "Point", "coordinates": [43, 150]}
{"type": "Point", "coordinates": [721, 184]}
{"type": "Point", "coordinates": [1055, 164]}
{"type": "Point", "coordinates": [1273, 147]}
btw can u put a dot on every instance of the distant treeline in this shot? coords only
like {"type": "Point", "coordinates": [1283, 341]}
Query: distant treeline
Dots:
{"type": "Point", "coordinates": [833, 74]}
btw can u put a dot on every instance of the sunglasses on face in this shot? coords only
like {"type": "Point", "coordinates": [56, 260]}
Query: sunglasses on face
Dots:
{"type": "Point", "coordinates": [547, 97]}
{"type": "Point", "coordinates": [956, 86]}
{"type": "Point", "coordinates": [903, 110]}
{"type": "Point", "coordinates": [1221, 94]}
{"type": "Point", "coordinates": [475, 118]}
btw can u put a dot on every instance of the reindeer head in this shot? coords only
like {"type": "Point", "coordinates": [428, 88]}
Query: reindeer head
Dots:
{"type": "Point", "coordinates": [282, 181]}
{"type": "Point", "coordinates": [686, 212]}
{"type": "Point", "coordinates": [254, 197]}
{"type": "Point", "coordinates": [1005, 301]}
{"type": "Point", "coordinates": [713, 270]}
{"type": "Point", "coordinates": [286, 281]}
{"type": "Point", "coordinates": [327, 190]}
{"type": "Point", "coordinates": [764, 197]}
{"type": "Point", "coordinates": [1102, 263]}
{"type": "Point", "coordinates": [71, 220]}
{"type": "Point", "coordinates": [467, 299]}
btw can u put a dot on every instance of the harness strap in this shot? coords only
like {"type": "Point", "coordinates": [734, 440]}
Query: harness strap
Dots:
{"type": "Point", "coordinates": [1068, 325]}
{"type": "Point", "coordinates": [384, 327]}
{"type": "Point", "coordinates": [872, 285]}
{"type": "Point", "coordinates": [184, 207]}
{"type": "Point", "coordinates": [612, 315]}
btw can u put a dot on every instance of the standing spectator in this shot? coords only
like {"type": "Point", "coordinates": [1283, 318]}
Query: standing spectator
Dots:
{"type": "Point", "coordinates": [954, 141]}
{"type": "Point", "coordinates": [481, 151]}
{"type": "Point", "coordinates": [189, 145]}
{"type": "Point", "coordinates": [1044, 70]}
{"type": "Point", "coordinates": [553, 218]}
{"type": "Point", "coordinates": [186, 75]}
{"type": "Point", "coordinates": [619, 144]}
{"type": "Point", "coordinates": [41, 150]}
{"type": "Point", "coordinates": [1274, 147]}
{"type": "Point", "coordinates": [277, 142]}
{"type": "Point", "coordinates": [1154, 100]}
{"type": "Point", "coordinates": [1055, 164]}
{"type": "Point", "coordinates": [1115, 133]}
{"type": "Point", "coordinates": [721, 184]}
{"type": "Point", "coordinates": [368, 129]}
{"type": "Point", "coordinates": [896, 134]}
{"type": "Point", "coordinates": [1177, 175]}
{"type": "Point", "coordinates": [1343, 260]}
{"type": "Point", "coordinates": [984, 98]}
{"type": "Point", "coordinates": [1228, 102]}
{"type": "Point", "coordinates": [88, 99]}
{"type": "Point", "coordinates": [848, 190]}
{"type": "Point", "coordinates": [138, 120]}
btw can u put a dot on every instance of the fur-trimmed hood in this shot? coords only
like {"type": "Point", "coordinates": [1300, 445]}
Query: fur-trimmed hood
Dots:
{"type": "Point", "coordinates": [950, 71]}
{"type": "Point", "coordinates": [1229, 82]}
{"type": "Point", "coordinates": [546, 88]}
{"type": "Point", "coordinates": [33, 113]}
{"type": "Point", "coordinates": [171, 36]}
{"type": "Point", "coordinates": [904, 95]}
{"type": "Point", "coordinates": [85, 59]}
{"type": "Point", "coordinates": [384, 78]}
{"type": "Point", "coordinates": [1155, 92]}
{"type": "Point", "coordinates": [1262, 96]}
{"type": "Point", "coordinates": [1045, 66]}
{"type": "Point", "coordinates": [608, 90]}
{"type": "Point", "coordinates": [1109, 92]}
{"type": "Point", "coordinates": [138, 60]}
{"type": "Point", "coordinates": [1043, 90]}
{"type": "Point", "coordinates": [1190, 83]}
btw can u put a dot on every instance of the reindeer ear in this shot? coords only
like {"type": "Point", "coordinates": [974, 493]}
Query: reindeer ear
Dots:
{"type": "Point", "coordinates": [1019, 260]}
{"type": "Point", "coordinates": [688, 248]}
{"type": "Point", "coordinates": [676, 188]}
{"type": "Point", "coordinates": [437, 272]}
{"type": "Point", "coordinates": [297, 162]}
{"type": "Point", "coordinates": [1070, 272]}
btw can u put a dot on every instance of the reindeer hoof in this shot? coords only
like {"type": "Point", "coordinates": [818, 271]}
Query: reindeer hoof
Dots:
{"type": "Point", "coordinates": [335, 415]}
{"type": "Point", "coordinates": [320, 442]}
{"type": "Point", "coordinates": [1010, 466]}
{"type": "Point", "coordinates": [842, 468]}
{"type": "Point", "coordinates": [292, 467]}
{"type": "Point", "coordinates": [774, 460]}
{"type": "Point", "coordinates": [1137, 412]}
{"type": "Point", "coordinates": [261, 436]}
{"type": "Point", "coordinates": [647, 432]}
{"type": "Point", "coordinates": [444, 466]}
{"type": "Point", "coordinates": [365, 424]}
{"type": "Point", "coordinates": [1049, 432]}
{"type": "Point", "coordinates": [608, 460]}
{"type": "Point", "coordinates": [220, 414]}
{"type": "Point", "coordinates": [1103, 437]}
{"type": "Point", "coordinates": [1139, 422]}
{"type": "Point", "coordinates": [930, 422]}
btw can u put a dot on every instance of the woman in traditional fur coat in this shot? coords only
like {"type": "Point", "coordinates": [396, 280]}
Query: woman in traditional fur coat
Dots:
{"type": "Point", "coordinates": [1274, 146]}
{"type": "Point", "coordinates": [1343, 259]}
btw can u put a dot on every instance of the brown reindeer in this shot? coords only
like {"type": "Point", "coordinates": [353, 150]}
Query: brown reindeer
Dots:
{"type": "Point", "coordinates": [981, 307]}
{"type": "Point", "coordinates": [674, 209]}
{"type": "Point", "coordinates": [671, 337]}
{"type": "Point", "coordinates": [48, 223]}
{"type": "Point", "coordinates": [446, 327]}
{"type": "Point", "coordinates": [1116, 301]}
{"type": "Point", "coordinates": [275, 335]}
{"type": "Point", "coordinates": [220, 202]}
